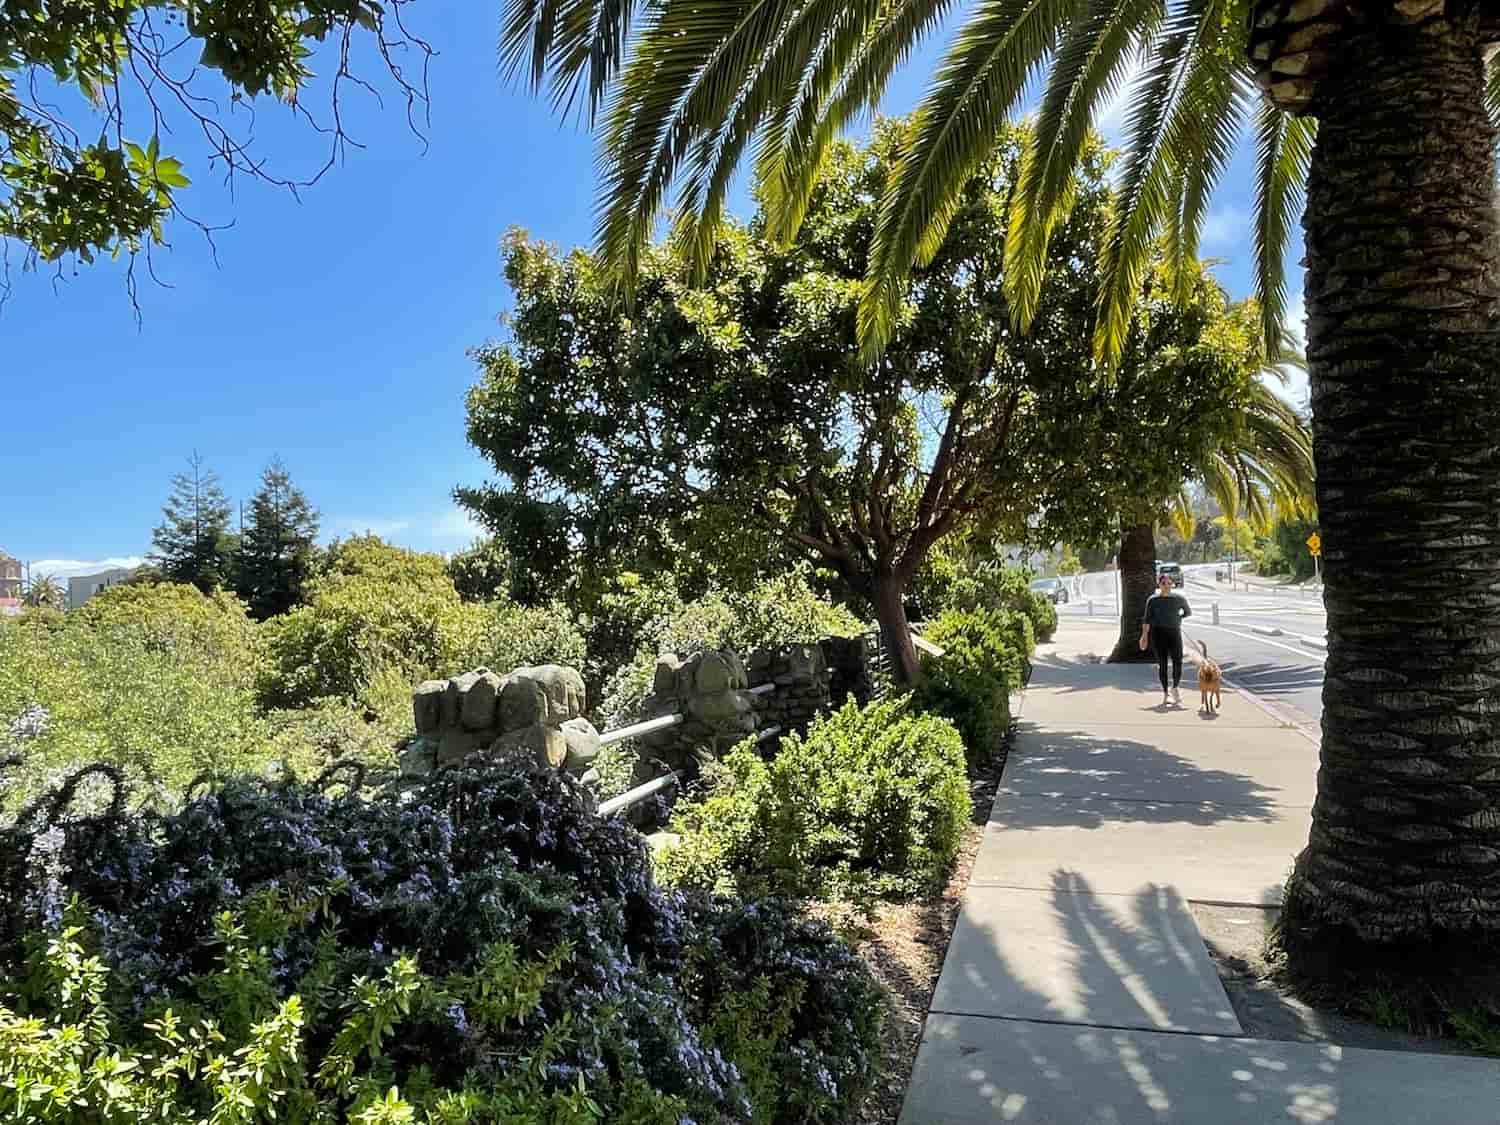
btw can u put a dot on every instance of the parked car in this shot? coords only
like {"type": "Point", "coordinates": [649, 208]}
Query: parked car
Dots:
{"type": "Point", "coordinates": [1171, 570]}
{"type": "Point", "coordinates": [1053, 589]}
{"type": "Point", "coordinates": [1222, 570]}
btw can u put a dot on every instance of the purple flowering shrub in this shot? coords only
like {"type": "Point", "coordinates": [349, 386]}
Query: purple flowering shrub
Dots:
{"type": "Point", "coordinates": [660, 1005]}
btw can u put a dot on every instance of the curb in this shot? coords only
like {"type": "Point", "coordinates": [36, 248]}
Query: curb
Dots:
{"type": "Point", "coordinates": [1265, 632]}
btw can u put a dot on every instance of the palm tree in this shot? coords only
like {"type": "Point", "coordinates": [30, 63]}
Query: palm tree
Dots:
{"type": "Point", "coordinates": [1402, 291]}
{"type": "Point", "coordinates": [1261, 470]}
{"type": "Point", "coordinates": [44, 591]}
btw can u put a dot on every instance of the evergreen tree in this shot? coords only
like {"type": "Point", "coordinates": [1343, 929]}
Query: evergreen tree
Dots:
{"type": "Point", "coordinates": [278, 545]}
{"type": "Point", "coordinates": [193, 544]}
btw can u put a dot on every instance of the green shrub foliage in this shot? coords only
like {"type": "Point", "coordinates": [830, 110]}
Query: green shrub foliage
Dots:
{"type": "Point", "coordinates": [479, 947]}
{"type": "Point", "coordinates": [872, 799]}
{"type": "Point", "coordinates": [985, 658]}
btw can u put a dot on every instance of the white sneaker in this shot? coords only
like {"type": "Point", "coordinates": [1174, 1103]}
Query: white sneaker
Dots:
{"type": "Point", "coordinates": [1165, 699]}
{"type": "Point", "coordinates": [1177, 697]}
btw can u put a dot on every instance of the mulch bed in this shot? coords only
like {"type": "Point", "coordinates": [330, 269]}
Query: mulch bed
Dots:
{"type": "Point", "coordinates": [905, 943]}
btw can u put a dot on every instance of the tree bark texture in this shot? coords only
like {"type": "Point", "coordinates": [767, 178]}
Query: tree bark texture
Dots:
{"type": "Point", "coordinates": [1403, 294]}
{"type": "Point", "coordinates": [1137, 582]}
{"type": "Point", "coordinates": [895, 631]}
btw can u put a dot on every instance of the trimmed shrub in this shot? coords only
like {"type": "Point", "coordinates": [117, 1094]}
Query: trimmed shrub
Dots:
{"type": "Point", "coordinates": [480, 947]}
{"type": "Point", "coordinates": [1043, 616]}
{"type": "Point", "coordinates": [974, 700]}
{"type": "Point", "coordinates": [982, 663]}
{"type": "Point", "coordinates": [872, 799]}
{"type": "Point", "coordinates": [993, 586]}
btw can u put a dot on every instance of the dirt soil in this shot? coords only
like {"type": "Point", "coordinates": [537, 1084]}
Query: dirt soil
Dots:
{"type": "Point", "coordinates": [1236, 939]}
{"type": "Point", "coordinates": [905, 944]}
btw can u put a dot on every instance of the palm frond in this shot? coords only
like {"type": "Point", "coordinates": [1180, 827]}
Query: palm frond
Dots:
{"type": "Point", "coordinates": [848, 77]}
{"type": "Point", "coordinates": [983, 74]}
{"type": "Point", "coordinates": [1086, 75]}
{"type": "Point", "coordinates": [570, 40]}
{"type": "Point", "coordinates": [1283, 153]}
{"type": "Point", "coordinates": [1176, 121]}
{"type": "Point", "coordinates": [689, 66]}
{"type": "Point", "coordinates": [764, 102]}
{"type": "Point", "coordinates": [1492, 89]}
{"type": "Point", "coordinates": [1180, 513]}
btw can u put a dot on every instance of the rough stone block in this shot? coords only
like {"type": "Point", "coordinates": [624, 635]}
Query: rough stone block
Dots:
{"type": "Point", "coordinates": [420, 757]}
{"type": "Point", "coordinates": [427, 705]}
{"type": "Point", "coordinates": [451, 703]}
{"type": "Point", "coordinates": [548, 694]}
{"type": "Point", "coordinates": [714, 674]}
{"type": "Point", "coordinates": [457, 744]}
{"type": "Point", "coordinates": [544, 743]}
{"type": "Point", "coordinates": [478, 708]}
{"type": "Point", "coordinates": [715, 709]}
{"type": "Point", "coordinates": [582, 742]}
{"type": "Point", "coordinates": [665, 682]}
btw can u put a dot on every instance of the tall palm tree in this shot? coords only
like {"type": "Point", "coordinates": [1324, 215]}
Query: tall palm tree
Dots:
{"type": "Point", "coordinates": [1402, 290]}
{"type": "Point", "coordinates": [1262, 470]}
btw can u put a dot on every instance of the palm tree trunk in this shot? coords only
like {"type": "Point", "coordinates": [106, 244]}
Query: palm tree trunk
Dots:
{"type": "Point", "coordinates": [1137, 580]}
{"type": "Point", "coordinates": [1403, 293]}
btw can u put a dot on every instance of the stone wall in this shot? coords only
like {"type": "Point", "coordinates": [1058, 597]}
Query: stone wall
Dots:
{"type": "Point", "coordinates": [710, 691]}
{"type": "Point", "coordinates": [539, 710]}
{"type": "Point", "coordinates": [713, 691]}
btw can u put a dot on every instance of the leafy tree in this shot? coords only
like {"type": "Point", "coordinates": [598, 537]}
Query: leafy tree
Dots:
{"type": "Point", "coordinates": [721, 417]}
{"type": "Point", "coordinates": [1383, 114]}
{"type": "Point", "coordinates": [149, 65]}
{"type": "Point", "coordinates": [277, 553]}
{"type": "Point", "coordinates": [482, 572]}
{"type": "Point", "coordinates": [193, 543]}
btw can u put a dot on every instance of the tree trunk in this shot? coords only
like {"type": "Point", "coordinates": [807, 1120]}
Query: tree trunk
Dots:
{"type": "Point", "coordinates": [889, 598]}
{"type": "Point", "coordinates": [1137, 581]}
{"type": "Point", "coordinates": [1403, 291]}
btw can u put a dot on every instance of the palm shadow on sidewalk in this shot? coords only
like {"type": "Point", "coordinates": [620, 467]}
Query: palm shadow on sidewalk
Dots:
{"type": "Point", "coordinates": [1100, 779]}
{"type": "Point", "coordinates": [1124, 1020]}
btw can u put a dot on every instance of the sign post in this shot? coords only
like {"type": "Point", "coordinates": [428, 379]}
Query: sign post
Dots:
{"type": "Point", "coordinates": [1315, 548]}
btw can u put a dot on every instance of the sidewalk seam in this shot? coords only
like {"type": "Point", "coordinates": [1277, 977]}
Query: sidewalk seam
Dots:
{"type": "Point", "coordinates": [1095, 1026]}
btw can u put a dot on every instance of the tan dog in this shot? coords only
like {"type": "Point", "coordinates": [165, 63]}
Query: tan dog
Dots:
{"type": "Point", "coordinates": [1210, 680]}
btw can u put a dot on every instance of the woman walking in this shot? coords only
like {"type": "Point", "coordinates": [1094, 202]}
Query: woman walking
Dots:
{"type": "Point", "coordinates": [1161, 630]}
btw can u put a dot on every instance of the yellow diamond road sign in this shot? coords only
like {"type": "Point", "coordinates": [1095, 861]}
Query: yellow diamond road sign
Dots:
{"type": "Point", "coordinates": [1315, 544]}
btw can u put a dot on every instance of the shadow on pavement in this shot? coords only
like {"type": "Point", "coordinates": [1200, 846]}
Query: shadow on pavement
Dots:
{"type": "Point", "coordinates": [1120, 780]}
{"type": "Point", "coordinates": [1273, 679]}
{"type": "Point", "coordinates": [1097, 1044]}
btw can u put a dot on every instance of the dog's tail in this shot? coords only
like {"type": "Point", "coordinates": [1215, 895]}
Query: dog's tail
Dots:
{"type": "Point", "coordinates": [1203, 648]}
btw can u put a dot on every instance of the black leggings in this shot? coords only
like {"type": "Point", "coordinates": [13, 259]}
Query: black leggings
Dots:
{"type": "Point", "coordinates": [1167, 644]}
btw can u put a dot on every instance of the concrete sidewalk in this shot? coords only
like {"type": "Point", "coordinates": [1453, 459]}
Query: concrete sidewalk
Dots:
{"type": "Point", "coordinates": [1077, 988]}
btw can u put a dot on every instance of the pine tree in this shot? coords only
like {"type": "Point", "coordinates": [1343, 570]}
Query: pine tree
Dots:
{"type": "Point", "coordinates": [193, 543]}
{"type": "Point", "coordinates": [277, 546]}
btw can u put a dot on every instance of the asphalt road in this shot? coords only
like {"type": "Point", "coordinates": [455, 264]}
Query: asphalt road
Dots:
{"type": "Point", "coordinates": [1266, 641]}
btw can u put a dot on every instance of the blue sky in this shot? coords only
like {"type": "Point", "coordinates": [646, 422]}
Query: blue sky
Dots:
{"type": "Point", "coordinates": [333, 331]}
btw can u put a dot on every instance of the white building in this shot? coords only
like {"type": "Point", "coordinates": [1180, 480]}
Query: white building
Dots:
{"type": "Point", "coordinates": [85, 586]}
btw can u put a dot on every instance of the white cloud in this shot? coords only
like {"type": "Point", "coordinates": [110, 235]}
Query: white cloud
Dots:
{"type": "Point", "coordinates": [1226, 226]}
{"type": "Point", "coordinates": [72, 568]}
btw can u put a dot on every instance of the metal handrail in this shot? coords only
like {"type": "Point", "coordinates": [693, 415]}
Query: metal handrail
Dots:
{"type": "Point", "coordinates": [635, 730]}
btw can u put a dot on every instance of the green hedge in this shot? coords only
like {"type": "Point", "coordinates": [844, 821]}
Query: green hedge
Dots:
{"type": "Point", "coordinates": [872, 800]}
